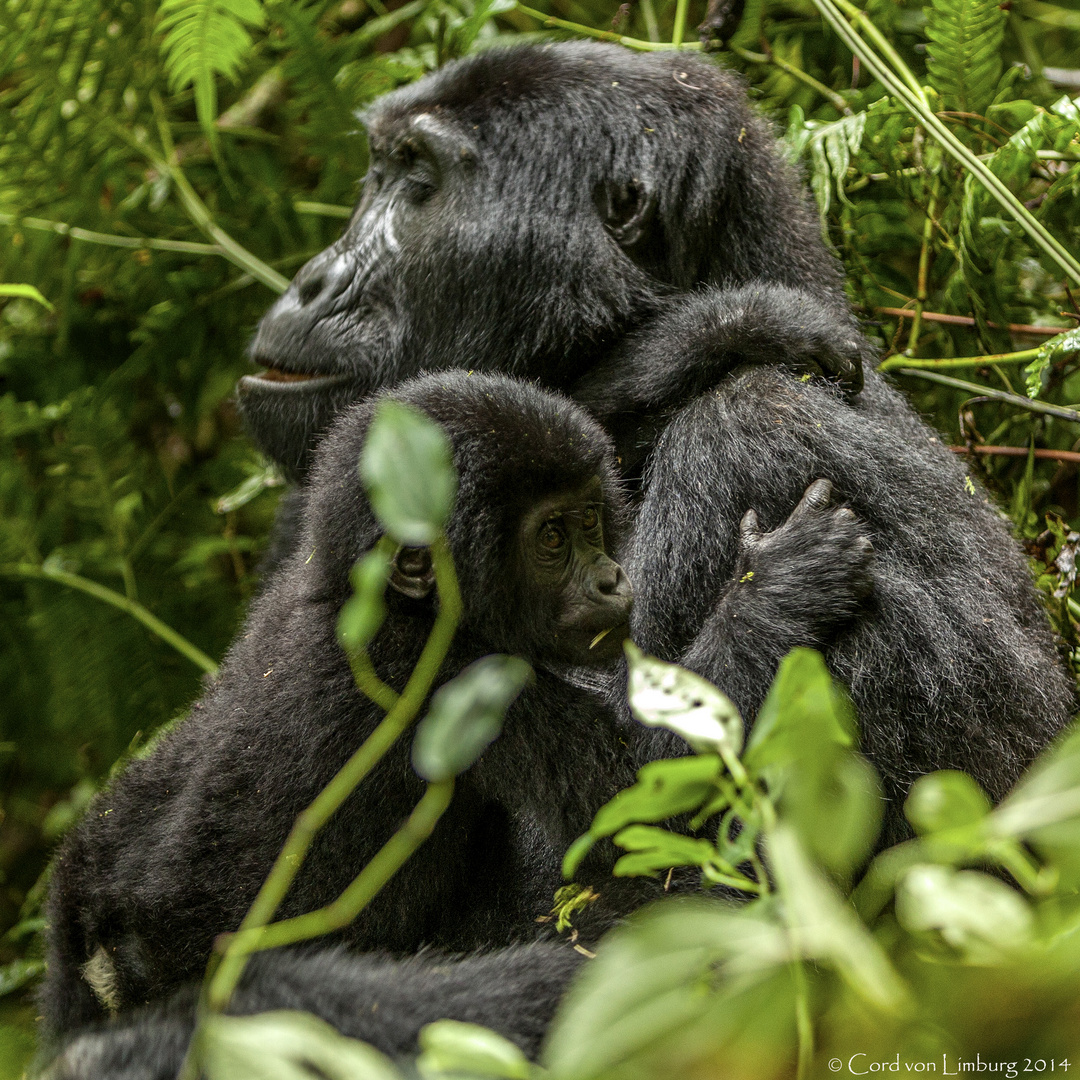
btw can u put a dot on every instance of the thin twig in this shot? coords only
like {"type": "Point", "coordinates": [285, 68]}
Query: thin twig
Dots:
{"type": "Point", "coordinates": [116, 600]}
{"type": "Point", "coordinates": [895, 363]}
{"type": "Point", "coordinates": [1018, 451]}
{"type": "Point", "coordinates": [838, 101]}
{"type": "Point", "coordinates": [605, 35]}
{"type": "Point", "coordinates": [966, 320]}
{"type": "Point", "coordinates": [997, 395]}
{"type": "Point", "coordinates": [109, 239]}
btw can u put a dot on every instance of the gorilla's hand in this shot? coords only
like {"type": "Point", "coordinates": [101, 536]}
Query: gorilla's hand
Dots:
{"type": "Point", "coordinates": [815, 569]}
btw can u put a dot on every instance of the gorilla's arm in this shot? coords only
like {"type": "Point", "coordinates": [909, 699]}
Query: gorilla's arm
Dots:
{"type": "Point", "coordinates": [377, 999]}
{"type": "Point", "coordinates": [953, 665]}
{"type": "Point", "coordinates": [699, 338]}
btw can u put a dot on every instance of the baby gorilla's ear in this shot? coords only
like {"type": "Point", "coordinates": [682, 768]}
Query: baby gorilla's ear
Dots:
{"type": "Point", "coordinates": [413, 574]}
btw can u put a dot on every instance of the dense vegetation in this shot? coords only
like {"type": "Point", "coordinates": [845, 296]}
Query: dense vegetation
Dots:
{"type": "Point", "coordinates": [165, 167]}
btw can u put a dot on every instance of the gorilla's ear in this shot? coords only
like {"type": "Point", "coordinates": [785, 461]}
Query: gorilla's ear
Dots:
{"type": "Point", "coordinates": [413, 574]}
{"type": "Point", "coordinates": [626, 209]}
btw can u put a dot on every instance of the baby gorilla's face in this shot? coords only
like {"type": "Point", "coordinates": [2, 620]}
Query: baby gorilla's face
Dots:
{"type": "Point", "coordinates": [581, 594]}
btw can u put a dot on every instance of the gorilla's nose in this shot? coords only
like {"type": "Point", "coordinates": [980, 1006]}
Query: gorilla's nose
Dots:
{"type": "Point", "coordinates": [612, 583]}
{"type": "Point", "coordinates": [321, 280]}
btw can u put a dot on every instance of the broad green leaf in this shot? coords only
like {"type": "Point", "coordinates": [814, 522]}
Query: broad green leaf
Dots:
{"type": "Point", "coordinates": [974, 913]}
{"type": "Point", "coordinates": [449, 1046]}
{"type": "Point", "coordinates": [363, 613]}
{"type": "Point", "coordinates": [466, 716]}
{"type": "Point", "coordinates": [825, 928]}
{"type": "Point", "coordinates": [945, 800]}
{"type": "Point", "coordinates": [802, 744]}
{"type": "Point", "coordinates": [1044, 809]}
{"type": "Point", "coordinates": [654, 850]}
{"type": "Point", "coordinates": [663, 789]}
{"type": "Point", "coordinates": [650, 984]}
{"type": "Point", "coordinates": [409, 475]}
{"type": "Point", "coordinates": [25, 292]}
{"type": "Point", "coordinates": [1048, 352]}
{"type": "Point", "coordinates": [802, 710]}
{"type": "Point", "coordinates": [669, 696]}
{"type": "Point", "coordinates": [288, 1046]}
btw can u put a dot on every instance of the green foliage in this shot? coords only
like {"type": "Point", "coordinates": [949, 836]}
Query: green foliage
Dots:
{"type": "Point", "coordinates": [466, 716]}
{"type": "Point", "coordinates": [407, 470]}
{"type": "Point", "coordinates": [205, 38]}
{"type": "Point", "coordinates": [928, 956]}
{"type": "Point", "coordinates": [965, 51]}
{"type": "Point", "coordinates": [288, 1046]}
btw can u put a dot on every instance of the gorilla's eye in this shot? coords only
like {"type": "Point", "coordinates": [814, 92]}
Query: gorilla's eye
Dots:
{"type": "Point", "coordinates": [414, 562]}
{"type": "Point", "coordinates": [551, 536]}
{"type": "Point", "coordinates": [590, 519]}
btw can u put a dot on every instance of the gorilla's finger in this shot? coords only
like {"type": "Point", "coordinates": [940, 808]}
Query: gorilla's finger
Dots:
{"type": "Point", "coordinates": [816, 497]}
{"type": "Point", "coordinates": [750, 528]}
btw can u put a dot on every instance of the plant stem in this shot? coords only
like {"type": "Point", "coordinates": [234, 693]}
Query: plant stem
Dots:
{"type": "Point", "coordinates": [604, 35]}
{"type": "Point", "coordinates": [803, 1025]}
{"type": "Point", "coordinates": [196, 210]}
{"type": "Point", "coordinates": [119, 601]}
{"type": "Point", "coordinates": [652, 27]}
{"type": "Point", "coordinates": [287, 865]}
{"type": "Point", "coordinates": [1024, 356]}
{"type": "Point", "coordinates": [680, 23]}
{"type": "Point", "coordinates": [924, 271]}
{"type": "Point", "coordinates": [997, 395]}
{"type": "Point", "coordinates": [390, 858]}
{"type": "Point", "coordinates": [838, 101]}
{"type": "Point", "coordinates": [906, 88]}
{"type": "Point", "coordinates": [135, 243]}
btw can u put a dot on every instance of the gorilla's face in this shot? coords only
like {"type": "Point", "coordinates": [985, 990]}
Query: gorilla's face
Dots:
{"type": "Point", "coordinates": [473, 246]}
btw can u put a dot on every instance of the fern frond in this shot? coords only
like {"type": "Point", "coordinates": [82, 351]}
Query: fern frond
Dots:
{"type": "Point", "coordinates": [203, 39]}
{"type": "Point", "coordinates": [965, 51]}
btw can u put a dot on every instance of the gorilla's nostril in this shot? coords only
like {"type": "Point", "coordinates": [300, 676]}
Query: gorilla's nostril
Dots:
{"type": "Point", "coordinates": [311, 288]}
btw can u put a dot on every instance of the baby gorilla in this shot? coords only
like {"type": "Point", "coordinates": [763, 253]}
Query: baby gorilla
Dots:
{"type": "Point", "coordinates": [174, 851]}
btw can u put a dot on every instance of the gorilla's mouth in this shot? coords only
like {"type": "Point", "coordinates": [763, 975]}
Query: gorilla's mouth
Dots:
{"type": "Point", "coordinates": [275, 378]}
{"type": "Point", "coordinates": [277, 375]}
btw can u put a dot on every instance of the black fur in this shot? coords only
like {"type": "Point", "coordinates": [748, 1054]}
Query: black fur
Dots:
{"type": "Point", "coordinates": [172, 854]}
{"type": "Point", "coordinates": [952, 666]}
{"type": "Point", "coordinates": [383, 1001]}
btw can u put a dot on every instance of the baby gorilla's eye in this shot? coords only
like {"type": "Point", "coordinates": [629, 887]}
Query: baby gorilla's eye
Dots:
{"type": "Point", "coordinates": [590, 519]}
{"type": "Point", "coordinates": [551, 536]}
{"type": "Point", "coordinates": [414, 562]}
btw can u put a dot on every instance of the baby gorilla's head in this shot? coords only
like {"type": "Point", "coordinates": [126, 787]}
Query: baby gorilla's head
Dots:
{"type": "Point", "coordinates": [538, 514]}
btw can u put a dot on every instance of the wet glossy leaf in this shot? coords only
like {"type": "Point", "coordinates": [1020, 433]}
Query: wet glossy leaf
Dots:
{"type": "Point", "coordinates": [449, 1046]}
{"type": "Point", "coordinates": [466, 716]}
{"type": "Point", "coordinates": [979, 915]}
{"type": "Point", "coordinates": [669, 696]}
{"type": "Point", "coordinates": [409, 475]}
{"type": "Point", "coordinates": [945, 800]}
{"type": "Point", "coordinates": [289, 1046]}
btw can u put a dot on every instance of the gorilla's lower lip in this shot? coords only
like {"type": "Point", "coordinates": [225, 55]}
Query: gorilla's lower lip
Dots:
{"type": "Point", "coordinates": [275, 379]}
